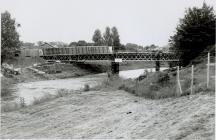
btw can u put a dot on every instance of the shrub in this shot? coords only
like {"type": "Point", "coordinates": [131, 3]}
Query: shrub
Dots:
{"type": "Point", "coordinates": [45, 98]}
{"type": "Point", "coordinates": [154, 86]}
{"type": "Point", "coordinates": [48, 97]}
{"type": "Point", "coordinates": [10, 106]}
{"type": "Point", "coordinates": [86, 87]}
{"type": "Point", "coordinates": [62, 93]}
{"type": "Point", "coordinates": [5, 91]}
{"type": "Point", "coordinates": [6, 87]}
{"type": "Point", "coordinates": [163, 78]}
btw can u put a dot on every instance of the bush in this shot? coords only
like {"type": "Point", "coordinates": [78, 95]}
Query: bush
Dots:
{"type": "Point", "coordinates": [154, 86]}
{"type": "Point", "coordinates": [45, 98]}
{"type": "Point", "coordinates": [5, 91]}
{"type": "Point", "coordinates": [48, 97]}
{"type": "Point", "coordinates": [62, 93]}
{"type": "Point", "coordinates": [163, 78]}
{"type": "Point", "coordinates": [86, 87]}
{"type": "Point", "coordinates": [10, 106]}
{"type": "Point", "coordinates": [6, 87]}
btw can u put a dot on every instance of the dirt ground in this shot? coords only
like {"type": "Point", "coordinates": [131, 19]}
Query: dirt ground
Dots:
{"type": "Point", "coordinates": [114, 114]}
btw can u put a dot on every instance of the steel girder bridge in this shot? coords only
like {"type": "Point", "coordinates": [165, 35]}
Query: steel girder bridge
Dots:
{"type": "Point", "coordinates": [123, 56]}
{"type": "Point", "coordinates": [116, 58]}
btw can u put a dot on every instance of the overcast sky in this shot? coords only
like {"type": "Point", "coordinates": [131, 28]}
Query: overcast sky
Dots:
{"type": "Point", "coordinates": [143, 22]}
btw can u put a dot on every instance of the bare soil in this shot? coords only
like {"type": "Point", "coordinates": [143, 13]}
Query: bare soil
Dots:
{"type": "Point", "coordinates": [114, 114]}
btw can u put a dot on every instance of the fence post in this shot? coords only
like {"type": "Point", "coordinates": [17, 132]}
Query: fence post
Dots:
{"type": "Point", "coordinates": [208, 64]}
{"type": "Point", "coordinates": [192, 78]}
{"type": "Point", "coordinates": [178, 80]}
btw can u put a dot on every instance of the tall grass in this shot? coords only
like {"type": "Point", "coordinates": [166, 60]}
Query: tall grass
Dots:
{"type": "Point", "coordinates": [164, 84]}
{"type": "Point", "coordinates": [49, 97]}
{"type": "Point", "coordinates": [154, 86]}
{"type": "Point", "coordinates": [6, 87]}
{"type": "Point", "coordinates": [12, 106]}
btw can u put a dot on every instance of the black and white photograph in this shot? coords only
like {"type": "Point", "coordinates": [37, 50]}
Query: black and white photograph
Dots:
{"type": "Point", "coordinates": [108, 69]}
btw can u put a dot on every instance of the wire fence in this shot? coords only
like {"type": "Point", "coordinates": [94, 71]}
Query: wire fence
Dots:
{"type": "Point", "coordinates": [202, 76]}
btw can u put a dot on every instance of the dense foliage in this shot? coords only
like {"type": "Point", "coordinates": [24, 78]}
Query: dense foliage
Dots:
{"type": "Point", "coordinates": [115, 39]}
{"type": "Point", "coordinates": [9, 37]}
{"type": "Point", "coordinates": [109, 38]}
{"type": "Point", "coordinates": [194, 33]}
{"type": "Point", "coordinates": [133, 47]}
{"type": "Point", "coordinates": [97, 38]}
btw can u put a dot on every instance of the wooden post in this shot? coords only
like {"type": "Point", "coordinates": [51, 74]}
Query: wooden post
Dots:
{"type": "Point", "coordinates": [178, 80]}
{"type": "Point", "coordinates": [192, 77]}
{"type": "Point", "coordinates": [208, 64]}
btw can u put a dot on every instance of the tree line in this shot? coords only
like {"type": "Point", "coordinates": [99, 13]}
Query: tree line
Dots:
{"type": "Point", "coordinates": [109, 38]}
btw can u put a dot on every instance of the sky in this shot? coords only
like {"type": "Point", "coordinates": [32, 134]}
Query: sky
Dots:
{"type": "Point", "coordinates": [143, 22]}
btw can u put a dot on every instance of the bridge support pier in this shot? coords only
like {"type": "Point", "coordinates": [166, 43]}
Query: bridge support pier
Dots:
{"type": "Point", "coordinates": [115, 68]}
{"type": "Point", "coordinates": [157, 67]}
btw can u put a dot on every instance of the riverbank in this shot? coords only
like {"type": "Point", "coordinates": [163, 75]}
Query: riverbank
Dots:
{"type": "Point", "coordinates": [27, 74]}
{"type": "Point", "coordinates": [113, 114]}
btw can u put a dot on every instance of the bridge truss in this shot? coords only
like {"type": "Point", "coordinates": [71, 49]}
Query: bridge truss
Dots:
{"type": "Point", "coordinates": [124, 56]}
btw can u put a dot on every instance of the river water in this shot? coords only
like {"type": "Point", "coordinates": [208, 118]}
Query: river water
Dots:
{"type": "Point", "coordinates": [31, 90]}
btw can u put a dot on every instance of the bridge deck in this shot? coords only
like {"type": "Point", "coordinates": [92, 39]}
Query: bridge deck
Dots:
{"type": "Point", "coordinates": [125, 56]}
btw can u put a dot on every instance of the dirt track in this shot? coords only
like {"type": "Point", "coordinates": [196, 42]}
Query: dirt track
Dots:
{"type": "Point", "coordinates": [113, 114]}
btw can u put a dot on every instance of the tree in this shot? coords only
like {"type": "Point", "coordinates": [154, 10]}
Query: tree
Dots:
{"type": "Point", "coordinates": [72, 44]}
{"type": "Point", "coordinates": [151, 47]}
{"type": "Point", "coordinates": [9, 37]}
{"type": "Point", "coordinates": [58, 44]}
{"type": "Point", "coordinates": [39, 43]}
{"type": "Point", "coordinates": [133, 47]}
{"type": "Point", "coordinates": [107, 37]}
{"type": "Point", "coordinates": [81, 43]}
{"type": "Point", "coordinates": [115, 39]}
{"type": "Point", "coordinates": [194, 33]}
{"type": "Point", "coordinates": [97, 38]}
{"type": "Point", "coordinates": [27, 45]}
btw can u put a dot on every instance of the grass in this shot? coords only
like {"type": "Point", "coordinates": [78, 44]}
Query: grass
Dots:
{"type": "Point", "coordinates": [164, 84]}
{"type": "Point", "coordinates": [12, 106]}
{"type": "Point", "coordinates": [49, 97]}
{"type": "Point", "coordinates": [45, 98]}
{"type": "Point", "coordinates": [155, 86]}
{"type": "Point", "coordinates": [6, 87]}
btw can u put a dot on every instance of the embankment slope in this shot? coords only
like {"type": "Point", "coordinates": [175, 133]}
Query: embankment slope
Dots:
{"type": "Point", "coordinates": [113, 114]}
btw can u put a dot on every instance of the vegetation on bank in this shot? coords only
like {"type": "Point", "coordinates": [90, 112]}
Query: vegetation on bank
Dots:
{"type": "Point", "coordinates": [16, 105]}
{"type": "Point", "coordinates": [6, 87]}
{"type": "Point", "coordinates": [159, 85]}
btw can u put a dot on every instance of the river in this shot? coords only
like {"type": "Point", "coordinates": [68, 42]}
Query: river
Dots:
{"type": "Point", "coordinates": [31, 90]}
